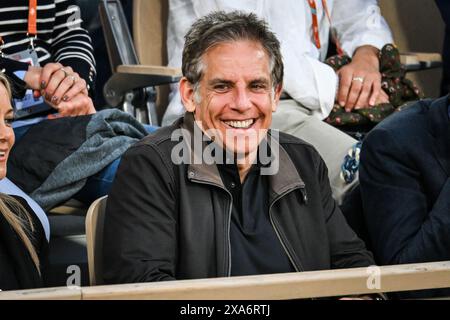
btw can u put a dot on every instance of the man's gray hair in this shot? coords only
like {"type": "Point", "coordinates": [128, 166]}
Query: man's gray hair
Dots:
{"type": "Point", "coordinates": [219, 27]}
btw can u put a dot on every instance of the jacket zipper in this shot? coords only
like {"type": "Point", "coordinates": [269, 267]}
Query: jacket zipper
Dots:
{"type": "Point", "coordinates": [230, 208]}
{"type": "Point", "coordinates": [299, 267]}
{"type": "Point", "coordinates": [305, 199]}
{"type": "Point", "coordinates": [228, 235]}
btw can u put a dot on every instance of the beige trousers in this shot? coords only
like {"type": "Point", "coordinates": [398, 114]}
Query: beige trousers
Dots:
{"type": "Point", "coordinates": [332, 144]}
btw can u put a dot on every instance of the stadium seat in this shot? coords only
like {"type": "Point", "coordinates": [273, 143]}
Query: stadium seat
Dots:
{"type": "Point", "coordinates": [137, 66]}
{"type": "Point", "coordinates": [94, 238]}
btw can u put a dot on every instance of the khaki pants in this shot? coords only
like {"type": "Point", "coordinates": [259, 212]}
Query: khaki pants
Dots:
{"type": "Point", "coordinates": [332, 144]}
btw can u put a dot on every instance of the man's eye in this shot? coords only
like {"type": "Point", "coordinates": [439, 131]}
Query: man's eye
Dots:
{"type": "Point", "coordinates": [221, 87]}
{"type": "Point", "coordinates": [259, 86]}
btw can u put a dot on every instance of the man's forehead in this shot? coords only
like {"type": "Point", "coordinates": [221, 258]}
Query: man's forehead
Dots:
{"type": "Point", "coordinates": [236, 59]}
{"type": "Point", "coordinates": [230, 50]}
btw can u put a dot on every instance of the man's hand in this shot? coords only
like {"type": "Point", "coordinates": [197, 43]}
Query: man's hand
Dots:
{"type": "Point", "coordinates": [382, 97]}
{"type": "Point", "coordinates": [79, 105]}
{"type": "Point", "coordinates": [61, 84]}
{"type": "Point", "coordinates": [360, 80]}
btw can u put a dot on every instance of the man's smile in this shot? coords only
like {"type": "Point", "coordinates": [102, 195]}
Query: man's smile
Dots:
{"type": "Point", "coordinates": [239, 124]}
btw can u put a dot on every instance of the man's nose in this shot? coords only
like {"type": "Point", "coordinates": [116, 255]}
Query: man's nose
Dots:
{"type": "Point", "coordinates": [242, 100]}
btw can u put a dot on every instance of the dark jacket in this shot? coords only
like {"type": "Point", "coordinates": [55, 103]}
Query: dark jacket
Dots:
{"type": "Point", "coordinates": [405, 185]}
{"type": "Point", "coordinates": [166, 221]}
{"type": "Point", "coordinates": [17, 269]}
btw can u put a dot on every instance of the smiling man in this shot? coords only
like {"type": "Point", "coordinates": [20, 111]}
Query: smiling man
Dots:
{"type": "Point", "coordinates": [234, 100]}
{"type": "Point", "coordinates": [172, 214]}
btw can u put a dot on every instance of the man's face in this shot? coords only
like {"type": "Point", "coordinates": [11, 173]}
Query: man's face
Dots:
{"type": "Point", "coordinates": [236, 96]}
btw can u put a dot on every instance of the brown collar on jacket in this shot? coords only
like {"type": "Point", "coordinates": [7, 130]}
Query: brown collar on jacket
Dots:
{"type": "Point", "coordinates": [284, 179]}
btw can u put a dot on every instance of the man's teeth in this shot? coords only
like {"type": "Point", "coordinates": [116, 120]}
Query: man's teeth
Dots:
{"type": "Point", "coordinates": [2, 153]}
{"type": "Point", "coordinates": [240, 124]}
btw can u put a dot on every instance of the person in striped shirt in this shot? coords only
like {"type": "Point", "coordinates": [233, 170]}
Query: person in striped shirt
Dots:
{"type": "Point", "coordinates": [67, 72]}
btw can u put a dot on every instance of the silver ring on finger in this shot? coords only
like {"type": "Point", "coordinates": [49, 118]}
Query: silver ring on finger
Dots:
{"type": "Point", "coordinates": [360, 79]}
{"type": "Point", "coordinates": [66, 74]}
{"type": "Point", "coordinates": [73, 78]}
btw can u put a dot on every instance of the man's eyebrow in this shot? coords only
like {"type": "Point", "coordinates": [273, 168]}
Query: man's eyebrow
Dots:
{"type": "Point", "coordinates": [219, 81]}
{"type": "Point", "coordinates": [10, 111]}
{"type": "Point", "coordinates": [229, 82]}
{"type": "Point", "coordinates": [260, 80]}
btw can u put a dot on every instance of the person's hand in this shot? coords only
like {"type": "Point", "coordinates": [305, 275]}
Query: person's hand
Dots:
{"type": "Point", "coordinates": [382, 97]}
{"type": "Point", "coordinates": [360, 80]}
{"type": "Point", "coordinates": [33, 77]}
{"type": "Point", "coordinates": [61, 84]}
{"type": "Point", "coordinates": [78, 105]}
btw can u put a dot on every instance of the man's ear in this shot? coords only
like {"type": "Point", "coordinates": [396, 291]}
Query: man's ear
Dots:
{"type": "Point", "coordinates": [187, 95]}
{"type": "Point", "coordinates": [276, 98]}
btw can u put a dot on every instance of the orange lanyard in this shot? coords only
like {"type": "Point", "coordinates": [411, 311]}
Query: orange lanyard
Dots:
{"type": "Point", "coordinates": [315, 25]}
{"type": "Point", "coordinates": [32, 25]}
{"type": "Point", "coordinates": [32, 18]}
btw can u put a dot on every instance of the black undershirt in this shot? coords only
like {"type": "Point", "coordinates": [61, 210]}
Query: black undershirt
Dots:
{"type": "Point", "coordinates": [255, 247]}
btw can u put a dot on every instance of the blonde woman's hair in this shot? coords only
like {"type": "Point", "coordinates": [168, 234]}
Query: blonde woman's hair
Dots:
{"type": "Point", "coordinates": [15, 214]}
{"type": "Point", "coordinates": [4, 81]}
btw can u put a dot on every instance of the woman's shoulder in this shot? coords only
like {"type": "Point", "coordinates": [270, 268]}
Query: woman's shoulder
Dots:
{"type": "Point", "coordinates": [9, 188]}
